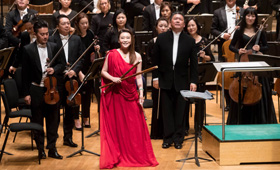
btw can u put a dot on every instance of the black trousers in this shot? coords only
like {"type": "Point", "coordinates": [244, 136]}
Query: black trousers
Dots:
{"type": "Point", "coordinates": [174, 116]}
{"type": "Point", "coordinates": [39, 110]}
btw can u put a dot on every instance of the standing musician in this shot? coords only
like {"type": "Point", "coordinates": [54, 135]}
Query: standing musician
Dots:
{"type": "Point", "coordinates": [173, 51]}
{"type": "Point", "coordinates": [13, 18]}
{"type": "Point", "coordinates": [201, 6]}
{"type": "Point", "coordinates": [193, 29]}
{"type": "Point", "coordinates": [262, 112]}
{"type": "Point", "coordinates": [71, 51]}
{"type": "Point", "coordinates": [33, 73]}
{"type": "Point", "coordinates": [224, 18]}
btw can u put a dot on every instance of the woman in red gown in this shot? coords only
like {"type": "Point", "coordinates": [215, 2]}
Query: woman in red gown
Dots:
{"type": "Point", "coordinates": [124, 136]}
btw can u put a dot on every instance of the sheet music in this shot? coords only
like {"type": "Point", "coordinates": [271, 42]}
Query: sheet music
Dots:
{"type": "Point", "coordinates": [252, 64]}
{"type": "Point", "coordinates": [197, 95]}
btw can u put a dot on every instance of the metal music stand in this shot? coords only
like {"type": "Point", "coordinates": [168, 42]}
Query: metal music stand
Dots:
{"type": "Point", "coordinates": [206, 73]}
{"type": "Point", "coordinates": [93, 72]}
{"type": "Point", "coordinates": [5, 55]}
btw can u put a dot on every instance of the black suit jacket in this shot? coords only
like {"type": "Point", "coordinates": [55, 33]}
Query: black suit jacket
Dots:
{"type": "Point", "coordinates": [75, 49]}
{"type": "Point", "coordinates": [31, 65]}
{"type": "Point", "coordinates": [149, 16]}
{"type": "Point", "coordinates": [12, 19]}
{"type": "Point", "coordinates": [25, 40]}
{"type": "Point", "coordinates": [177, 77]}
{"type": "Point", "coordinates": [138, 6]}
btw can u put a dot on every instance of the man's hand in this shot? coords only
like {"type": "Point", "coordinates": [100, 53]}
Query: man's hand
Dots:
{"type": "Point", "coordinates": [27, 99]}
{"type": "Point", "coordinates": [155, 84]}
{"type": "Point", "coordinates": [70, 73]}
{"type": "Point", "coordinates": [193, 87]}
{"type": "Point", "coordinates": [227, 36]}
{"type": "Point", "coordinates": [50, 71]}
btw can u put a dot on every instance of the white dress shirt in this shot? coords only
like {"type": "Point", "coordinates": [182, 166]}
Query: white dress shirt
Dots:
{"type": "Point", "coordinates": [22, 13]}
{"type": "Point", "coordinates": [64, 39]}
{"type": "Point", "coordinates": [175, 47]}
{"type": "Point", "coordinates": [157, 10]}
{"type": "Point", "coordinates": [43, 55]}
{"type": "Point", "coordinates": [231, 18]}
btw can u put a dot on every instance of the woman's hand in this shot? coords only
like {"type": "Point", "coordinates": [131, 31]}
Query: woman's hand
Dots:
{"type": "Point", "coordinates": [116, 80]}
{"type": "Point", "coordinates": [141, 99]}
{"type": "Point", "coordinates": [256, 48]}
{"type": "Point", "coordinates": [202, 54]}
{"type": "Point", "coordinates": [242, 51]}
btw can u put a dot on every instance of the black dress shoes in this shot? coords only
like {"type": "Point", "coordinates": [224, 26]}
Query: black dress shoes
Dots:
{"type": "Point", "coordinates": [42, 154]}
{"type": "Point", "coordinates": [54, 154]}
{"type": "Point", "coordinates": [178, 145]}
{"type": "Point", "coordinates": [166, 145]}
{"type": "Point", "coordinates": [69, 142]}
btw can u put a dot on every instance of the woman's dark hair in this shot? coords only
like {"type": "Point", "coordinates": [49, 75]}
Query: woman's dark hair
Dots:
{"type": "Point", "coordinates": [77, 21]}
{"type": "Point", "coordinates": [252, 11]}
{"type": "Point", "coordinates": [165, 4]}
{"type": "Point", "coordinates": [196, 22]}
{"type": "Point", "coordinates": [40, 24]}
{"type": "Point", "coordinates": [132, 54]}
{"type": "Point", "coordinates": [157, 22]}
{"type": "Point", "coordinates": [119, 11]}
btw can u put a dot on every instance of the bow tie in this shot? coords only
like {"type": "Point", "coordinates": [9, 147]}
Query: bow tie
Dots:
{"type": "Point", "coordinates": [62, 37]}
{"type": "Point", "coordinates": [157, 7]}
{"type": "Point", "coordinates": [230, 10]}
{"type": "Point", "coordinates": [22, 13]}
{"type": "Point", "coordinates": [41, 45]}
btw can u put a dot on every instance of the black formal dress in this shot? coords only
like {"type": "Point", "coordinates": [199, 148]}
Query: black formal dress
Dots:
{"type": "Point", "coordinates": [87, 89]}
{"type": "Point", "coordinates": [149, 16]}
{"type": "Point", "coordinates": [100, 25]}
{"type": "Point", "coordinates": [31, 78]}
{"type": "Point", "coordinates": [75, 49]}
{"type": "Point", "coordinates": [172, 79]}
{"type": "Point", "coordinates": [262, 112]}
{"type": "Point", "coordinates": [157, 123]}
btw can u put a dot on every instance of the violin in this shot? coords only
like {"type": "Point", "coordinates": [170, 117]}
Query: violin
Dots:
{"type": "Point", "coordinates": [71, 87]}
{"type": "Point", "coordinates": [51, 96]}
{"type": "Point", "coordinates": [23, 24]}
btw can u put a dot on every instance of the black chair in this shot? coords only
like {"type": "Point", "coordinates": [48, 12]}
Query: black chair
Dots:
{"type": "Point", "coordinates": [16, 127]}
{"type": "Point", "coordinates": [12, 95]}
{"type": "Point", "coordinates": [18, 78]}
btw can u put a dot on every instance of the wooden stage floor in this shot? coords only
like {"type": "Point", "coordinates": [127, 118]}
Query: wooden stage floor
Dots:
{"type": "Point", "coordinates": [25, 158]}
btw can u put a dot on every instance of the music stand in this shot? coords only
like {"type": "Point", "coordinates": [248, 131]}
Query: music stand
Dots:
{"type": "Point", "coordinates": [93, 72]}
{"type": "Point", "coordinates": [206, 73]}
{"type": "Point", "coordinates": [5, 55]}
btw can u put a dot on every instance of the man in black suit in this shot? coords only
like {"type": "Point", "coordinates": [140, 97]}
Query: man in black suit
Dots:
{"type": "Point", "coordinates": [14, 17]}
{"type": "Point", "coordinates": [34, 71]}
{"type": "Point", "coordinates": [71, 52]}
{"type": "Point", "coordinates": [173, 51]}
{"type": "Point", "coordinates": [150, 15]}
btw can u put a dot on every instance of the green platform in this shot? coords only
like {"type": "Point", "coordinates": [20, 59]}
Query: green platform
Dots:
{"type": "Point", "coordinates": [246, 132]}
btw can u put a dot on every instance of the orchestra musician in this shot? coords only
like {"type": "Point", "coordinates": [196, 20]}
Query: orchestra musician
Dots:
{"type": "Point", "coordinates": [224, 18]}
{"type": "Point", "coordinates": [71, 52]}
{"type": "Point", "coordinates": [151, 14]}
{"type": "Point", "coordinates": [193, 29]}
{"type": "Point", "coordinates": [172, 56]}
{"type": "Point", "coordinates": [93, 8]}
{"type": "Point", "coordinates": [263, 112]}
{"type": "Point", "coordinates": [166, 10]}
{"type": "Point", "coordinates": [65, 10]}
{"type": "Point", "coordinates": [162, 25]}
{"type": "Point", "coordinates": [13, 18]}
{"type": "Point", "coordinates": [35, 56]}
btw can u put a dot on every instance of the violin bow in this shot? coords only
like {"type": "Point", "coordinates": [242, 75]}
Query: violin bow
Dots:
{"type": "Point", "coordinates": [133, 75]}
{"type": "Point", "coordinates": [75, 15]}
{"type": "Point", "coordinates": [123, 75]}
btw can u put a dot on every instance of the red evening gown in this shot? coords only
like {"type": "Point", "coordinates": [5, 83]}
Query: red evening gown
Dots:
{"type": "Point", "coordinates": [124, 136]}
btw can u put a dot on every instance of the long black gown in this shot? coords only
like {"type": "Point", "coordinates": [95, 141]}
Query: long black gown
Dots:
{"type": "Point", "coordinates": [263, 112]}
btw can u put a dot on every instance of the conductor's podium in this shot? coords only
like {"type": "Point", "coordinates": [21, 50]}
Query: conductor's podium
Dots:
{"type": "Point", "coordinates": [243, 143]}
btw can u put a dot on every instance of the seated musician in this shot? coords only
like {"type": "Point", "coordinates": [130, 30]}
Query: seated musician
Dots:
{"type": "Point", "coordinates": [34, 63]}
{"type": "Point", "coordinates": [13, 18]}
{"type": "Point", "coordinates": [70, 53]}
{"type": "Point", "coordinates": [150, 15]}
{"type": "Point", "coordinates": [262, 111]}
